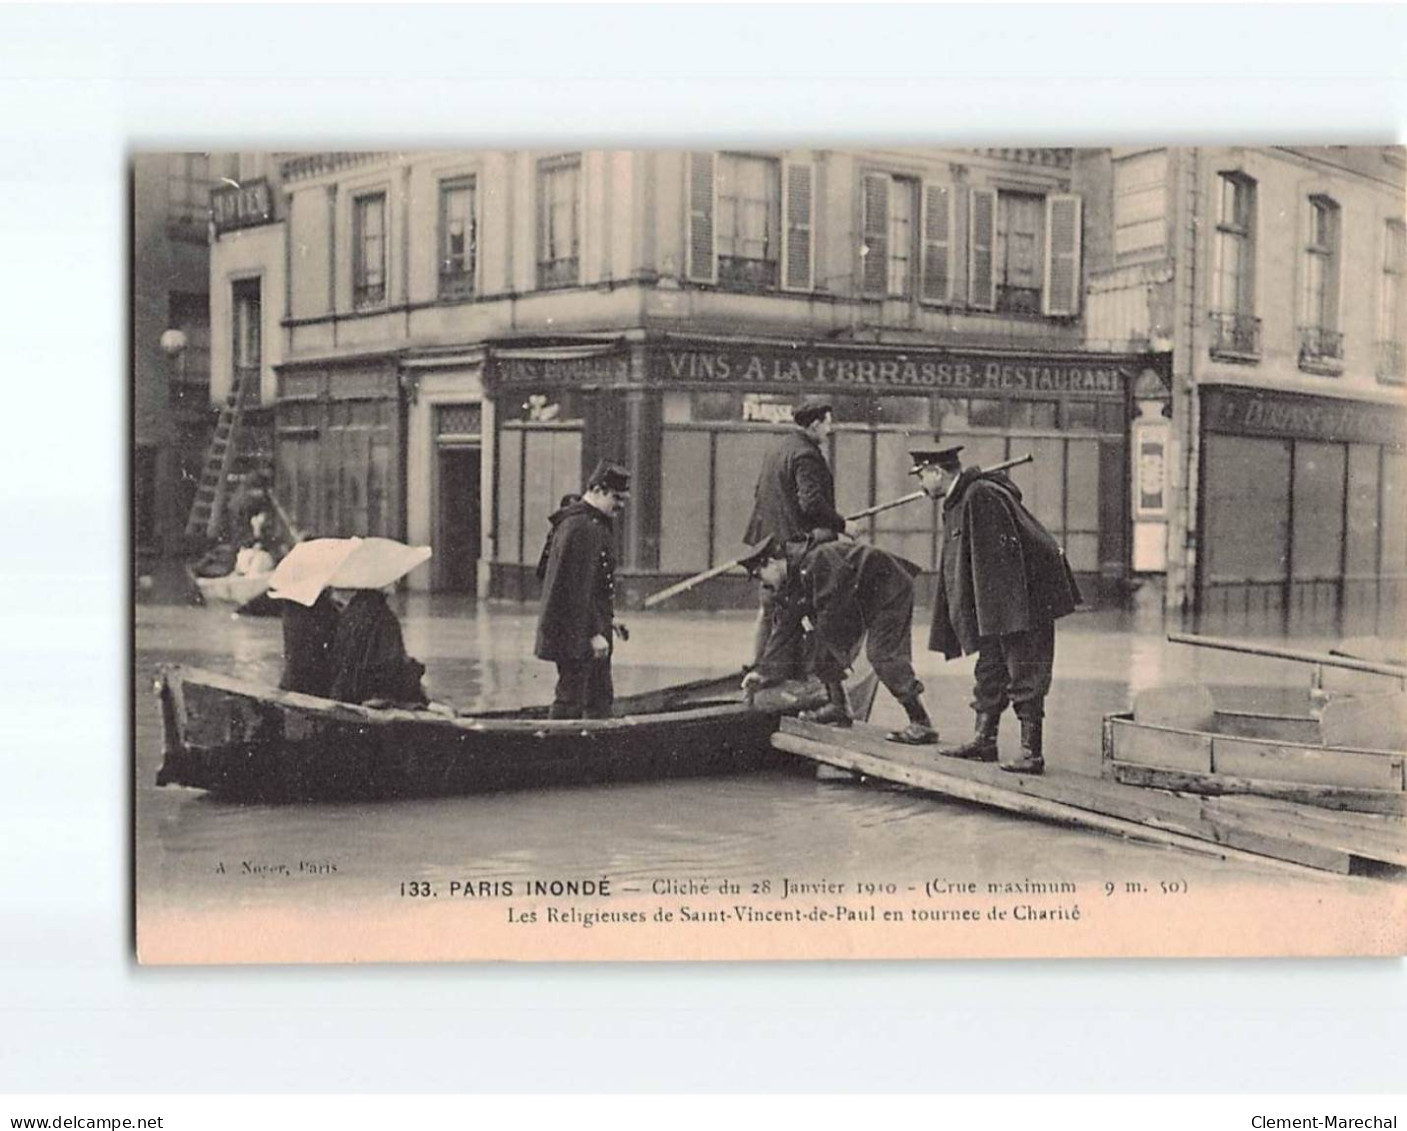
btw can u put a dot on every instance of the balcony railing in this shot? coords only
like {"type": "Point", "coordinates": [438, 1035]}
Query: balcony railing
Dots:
{"type": "Point", "coordinates": [739, 273]}
{"type": "Point", "coordinates": [558, 273]}
{"type": "Point", "coordinates": [1235, 337]}
{"type": "Point", "coordinates": [1392, 364]}
{"type": "Point", "coordinates": [1321, 349]}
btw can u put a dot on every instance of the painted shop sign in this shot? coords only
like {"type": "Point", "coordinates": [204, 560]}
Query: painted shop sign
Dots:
{"type": "Point", "coordinates": [595, 369]}
{"type": "Point", "coordinates": [241, 206]}
{"type": "Point", "coordinates": [907, 370]}
{"type": "Point", "coordinates": [1255, 412]}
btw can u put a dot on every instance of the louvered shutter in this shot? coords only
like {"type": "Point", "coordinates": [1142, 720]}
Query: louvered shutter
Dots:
{"type": "Point", "coordinates": [797, 239]}
{"type": "Point", "coordinates": [874, 274]}
{"type": "Point", "coordinates": [982, 239]}
{"type": "Point", "coordinates": [1061, 293]}
{"type": "Point", "coordinates": [937, 243]}
{"type": "Point", "coordinates": [703, 262]}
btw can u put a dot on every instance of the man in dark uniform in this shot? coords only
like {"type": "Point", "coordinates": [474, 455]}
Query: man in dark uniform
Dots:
{"type": "Point", "coordinates": [578, 596]}
{"type": "Point", "coordinates": [795, 495]}
{"type": "Point", "coordinates": [849, 591]}
{"type": "Point", "coordinates": [1004, 581]}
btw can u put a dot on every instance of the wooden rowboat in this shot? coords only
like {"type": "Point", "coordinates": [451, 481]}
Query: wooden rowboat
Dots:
{"type": "Point", "coordinates": [245, 741]}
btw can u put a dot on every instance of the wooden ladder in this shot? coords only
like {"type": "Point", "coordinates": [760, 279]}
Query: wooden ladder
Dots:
{"type": "Point", "coordinates": [211, 494]}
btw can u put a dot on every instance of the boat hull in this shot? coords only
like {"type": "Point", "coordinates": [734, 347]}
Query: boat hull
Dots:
{"type": "Point", "coordinates": [239, 740]}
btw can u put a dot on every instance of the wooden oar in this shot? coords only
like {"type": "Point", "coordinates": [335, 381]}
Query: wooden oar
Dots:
{"type": "Point", "coordinates": [699, 578]}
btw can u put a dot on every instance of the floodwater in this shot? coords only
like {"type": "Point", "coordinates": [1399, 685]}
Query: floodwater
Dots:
{"type": "Point", "coordinates": [744, 828]}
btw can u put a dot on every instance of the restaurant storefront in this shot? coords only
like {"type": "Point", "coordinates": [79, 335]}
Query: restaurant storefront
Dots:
{"type": "Point", "coordinates": [1302, 505]}
{"type": "Point", "coordinates": [692, 417]}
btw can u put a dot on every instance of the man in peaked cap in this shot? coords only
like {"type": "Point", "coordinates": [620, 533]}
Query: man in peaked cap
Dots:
{"type": "Point", "coordinates": [578, 596]}
{"type": "Point", "coordinates": [850, 591]}
{"type": "Point", "coordinates": [795, 494]}
{"type": "Point", "coordinates": [1003, 583]}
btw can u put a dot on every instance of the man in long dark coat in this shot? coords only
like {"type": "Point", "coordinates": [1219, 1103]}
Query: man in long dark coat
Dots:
{"type": "Point", "coordinates": [1004, 582]}
{"type": "Point", "coordinates": [795, 495]}
{"type": "Point", "coordinates": [849, 591]}
{"type": "Point", "coordinates": [578, 596]}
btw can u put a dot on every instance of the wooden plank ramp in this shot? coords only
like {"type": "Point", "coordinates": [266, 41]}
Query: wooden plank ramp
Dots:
{"type": "Point", "coordinates": [1205, 825]}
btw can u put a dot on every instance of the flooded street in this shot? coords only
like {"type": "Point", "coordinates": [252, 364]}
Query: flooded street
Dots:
{"type": "Point", "coordinates": [196, 853]}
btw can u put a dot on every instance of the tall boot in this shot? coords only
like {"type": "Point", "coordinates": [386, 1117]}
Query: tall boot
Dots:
{"type": "Point", "coordinates": [920, 730]}
{"type": "Point", "coordinates": [1032, 760]}
{"type": "Point", "coordinates": [836, 712]}
{"type": "Point", "coordinates": [983, 747]}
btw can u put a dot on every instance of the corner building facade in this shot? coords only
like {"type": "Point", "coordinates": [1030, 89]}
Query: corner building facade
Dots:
{"type": "Point", "coordinates": [465, 334]}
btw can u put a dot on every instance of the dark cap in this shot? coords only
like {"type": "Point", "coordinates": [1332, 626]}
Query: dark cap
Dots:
{"type": "Point", "coordinates": [946, 458]}
{"type": "Point", "coordinates": [761, 554]}
{"type": "Point", "coordinates": [810, 412]}
{"type": "Point", "coordinates": [609, 476]}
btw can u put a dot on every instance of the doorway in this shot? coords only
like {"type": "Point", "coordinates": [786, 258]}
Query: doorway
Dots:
{"type": "Point", "coordinates": [457, 523]}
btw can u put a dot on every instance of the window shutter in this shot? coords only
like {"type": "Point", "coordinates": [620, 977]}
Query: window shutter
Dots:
{"type": "Point", "coordinates": [797, 230]}
{"type": "Point", "coordinates": [1061, 293]}
{"type": "Point", "coordinates": [702, 261]}
{"type": "Point", "coordinates": [874, 272]}
{"type": "Point", "coordinates": [937, 243]}
{"type": "Point", "coordinates": [981, 244]}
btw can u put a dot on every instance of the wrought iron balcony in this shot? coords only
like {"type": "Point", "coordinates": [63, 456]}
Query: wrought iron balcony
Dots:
{"type": "Point", "coordinates": [558, 273]}
{"type": "Point", "coordinates": [1321, 349]}
{"type": "Point", "coordinates": [738, 273]}
{"type": "Point", "coordinates": [1235, 337]}
{"type": "Point", "coordinates": [1392, 365]}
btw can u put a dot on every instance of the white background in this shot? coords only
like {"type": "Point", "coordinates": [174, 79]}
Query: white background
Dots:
{"type": "Point", "coordinates": [80, 87]}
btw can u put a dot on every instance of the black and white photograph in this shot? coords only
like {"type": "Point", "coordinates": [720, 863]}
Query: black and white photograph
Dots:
{"type": "Point", "coordinates": [768, 552]}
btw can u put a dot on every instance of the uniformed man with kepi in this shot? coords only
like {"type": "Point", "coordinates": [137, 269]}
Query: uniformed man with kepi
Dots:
{"type": "Point", "coordinates": [578, 596]}
{"type": "Point", "coordinates": [795, 494]}
{"type": "Point", "coordinates": [849, 591]}
{"type": "Point", "coordinates": [1003, 583]}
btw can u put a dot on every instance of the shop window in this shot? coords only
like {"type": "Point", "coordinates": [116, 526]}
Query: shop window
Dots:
{"type": "Point", "coordinates": [910, 411]}
{"type": "Point", "coordinates": [952, 414]}
{"type": "Point", "coordinates": [1111, 416]}
{"type": "Point", "coordinates": [369, 250]}
{"type": "Point", "coordinates": [1391, 365]}
{"type": "Point", "coordinates": [553, 406]}
{"type": "Point", "coordinates": [458, 238]}
{"type": "Point", "coordinates": [1080, 416]}
{"type": "Point", "coordinates": [717, 407]}
{"type": "Point", "coordinates": [1032, 414]}
{"type": "Point", "coordinates": [850, 410]}
{"type": "Point", "coordinates": [1235, 329]}
{"type": "Point", "coordinates": [984, 413]}
{"type": "Point", "coordinates": [559, 221]}
{"type": "Point", "coordinates": [748, 221]}
{"type": "Point", "coordinates": [1319, 339]}
{"type": "Point", "coordinates": [890, 206]}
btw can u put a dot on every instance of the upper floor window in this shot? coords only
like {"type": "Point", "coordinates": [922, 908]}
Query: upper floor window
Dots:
{"type": "Point", "coordinates": [458, 237]}
{"type": "Point", "coordinates": [188, 190]}
{"type": "Point", "coordinates": [559, 221]}
{"type": "Point", "coordinates": [1390, 361]}
{"type": "Point", "coordinates": [1236, 330]}
{"type": "Point", "coordinates": [369, 250]}
{"type": "Point", "coordinates": [1024, 252]}
{"type": "Point", "coordinates": [748, 221]}
{"type": "Point", "coordinates": [1320, 340]}
{"type": "Point", "coordinates": [889, 247]}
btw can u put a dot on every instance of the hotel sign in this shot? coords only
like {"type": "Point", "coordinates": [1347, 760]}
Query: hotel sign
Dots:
{"type": "Point", "coordinates": [881, 370]}
{"type": "Point", "coordinates": [1256, 412]}
{"type": "Point", "coordinates": [241, 206]}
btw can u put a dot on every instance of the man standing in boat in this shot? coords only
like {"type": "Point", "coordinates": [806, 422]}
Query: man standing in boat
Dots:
{"type": "Point", "coordinates": [795, 495]}
{"type": "Point", "coordinates": [578, 596]}
{"type": "Point", "coordinates": [849, 591]}
{"type": "Point", "coordinates": [1003, 583]}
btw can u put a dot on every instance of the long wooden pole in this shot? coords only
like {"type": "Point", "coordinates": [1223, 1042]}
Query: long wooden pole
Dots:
{"type": "Point", "coordinates": [708, 574]}
{"type": "Point", "coordinates": [1227, 645]}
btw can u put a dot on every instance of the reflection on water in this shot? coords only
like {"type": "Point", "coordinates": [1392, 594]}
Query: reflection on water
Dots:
{"type": "Point", "coordinates": [741, 828]}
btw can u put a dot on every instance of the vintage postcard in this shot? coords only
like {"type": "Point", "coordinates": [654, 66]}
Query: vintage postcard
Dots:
{"type": "Point", "coordinates": [769, 554]}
